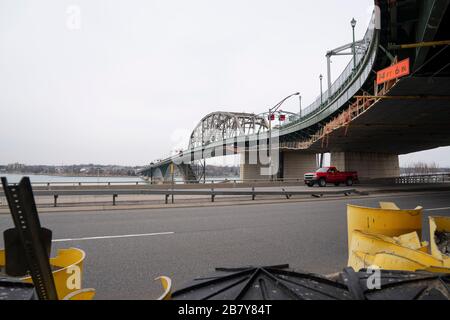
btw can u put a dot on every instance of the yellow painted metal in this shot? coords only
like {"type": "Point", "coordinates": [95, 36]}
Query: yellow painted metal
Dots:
{"type": "Point", "coordinates": [410, 240]}
{"type": "Point", "coordinates": [369, 249]}
{"type": "Point", "coordinates": [389, 206]}
{"type": "Point", "coordinates": [166, 283]}
{"type": "Point", "coordinates": [389, 222]}
{"type": "Point", "coordinates": [419, 44]}
{"type": "Point", "coordinates": [439, 224]}
{"type": "Point", "coordinates": [424, 97]}
{"type": "Point", "coordinates": [2, 258]}
{"type": "Point", "coordinates": [68, 276]}
{"type": "Point", "coordinates": [361, 260]}
{"type": "Point", "coordinates": [70, 264]}
{"type": "Point", "coordinates": [82, 294]}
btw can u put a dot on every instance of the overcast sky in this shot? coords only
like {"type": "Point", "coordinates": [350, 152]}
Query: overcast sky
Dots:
{"type": "Point", "coordinates": [125, 82]}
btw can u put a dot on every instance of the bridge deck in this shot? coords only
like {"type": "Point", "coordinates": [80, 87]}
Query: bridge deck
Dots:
{"type": "Point", "coordinates": [401, 125]}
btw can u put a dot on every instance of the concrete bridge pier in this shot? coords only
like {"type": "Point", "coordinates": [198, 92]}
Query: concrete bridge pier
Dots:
{"type": "Point", "coordinates": [368, 165]}
{"type": "Point", "coordinates": [291, 165]}
{"type": "Point", "coordinates": [295, 164]}
{"type": "Point", "coordinates": [251, 167]}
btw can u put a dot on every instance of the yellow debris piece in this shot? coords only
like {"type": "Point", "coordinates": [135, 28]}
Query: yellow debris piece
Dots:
{"type": "Point", "coordinates": [2, 258]}
{"type": "Point", "coordinates": [410, 240]}
{"type": "Point", "coordinates": [368, 249]}
{"type": "Point", "coordinates": [166, 283]}
{"type": "Point", "coordinates": [389, 206]}
{"type": "Point", "coordinates": [390, 238]}
{"type": "Point", "coordinates": [82, 294]}
{"type": "Point", "coordinates": [391, 222]}
{"type": "Point", "coordinates": [68, 274]}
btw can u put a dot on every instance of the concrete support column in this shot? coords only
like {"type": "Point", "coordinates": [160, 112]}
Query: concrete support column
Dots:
{"type": "Point", "coordinates": [250, 168]}
{"type": "Point", "coordinates": [292, 165]}
{"type": "Point", "coordinates": [368, 165]}
{"type": "Point", "coordinates": [296, 164]}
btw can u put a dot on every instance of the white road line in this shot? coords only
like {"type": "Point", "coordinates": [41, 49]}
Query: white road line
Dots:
{"type": "Point", "coordinates": [438, 209]}
{"type": "Point", "coordinates": [115, 237]}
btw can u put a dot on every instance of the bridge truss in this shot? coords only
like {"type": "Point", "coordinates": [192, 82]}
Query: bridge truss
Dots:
{"type": "Point", "coordinates": [219, 126]}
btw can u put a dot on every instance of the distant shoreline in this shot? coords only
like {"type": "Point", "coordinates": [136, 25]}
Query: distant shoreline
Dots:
{"type": "Point", "coordinates": [69, 175]}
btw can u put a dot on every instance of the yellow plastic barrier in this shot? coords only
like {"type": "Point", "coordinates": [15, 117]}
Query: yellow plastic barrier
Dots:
{"type": "Point", "coordinates": [369, 249]}
{"type": "Point", "coordinates": [412, 241]}
{"type": "Point", "coordinates": [439, 224]}
{"type": "Point", "coordinates": [68, 276]}
{"type": "Point", "coordinates": [2, 258]}
{"type": "Point", "coordinates": [83, 294]}
{"type": "Point", "coordinates": [166, 283]}
{"type": "Point", "coordinates": [388, 220]}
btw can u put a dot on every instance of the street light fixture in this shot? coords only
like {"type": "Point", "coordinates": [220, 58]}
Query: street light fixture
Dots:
{"type": "Point", "coordinates": [271, 112]}
{"type": "Point", "coordinates": [353, 23]}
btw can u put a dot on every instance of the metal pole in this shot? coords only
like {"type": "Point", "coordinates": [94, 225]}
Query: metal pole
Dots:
{"type": "Point", "coordinates": [300, 101]}
{"type": "Point", "coordinates": [353, 23]}
{"type": "Point", "coordinates": [173, 180]}
{"type": "Point", "coordinates": [321, 91]}
{"type": "Point", "coordinates": [204, 171]}
{"type": "Point", "coordinates": [271, 111]}
{"type": "Point", "coordinates": [354, 50]}
{"type": "Point", "coordinates": [329, 72]}
{"type": "Point", "coordinates": [270, 144]}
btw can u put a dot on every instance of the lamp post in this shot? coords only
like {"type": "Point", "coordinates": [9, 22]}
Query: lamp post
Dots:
{"type": "Point", "coordinates": [300, 103]}
{"type": "Point", "coordinates": [271, 112]}
{"type": "Point", "coordinates": [353, 23]}
{"type": "Point", "coordinates": [321, 91]}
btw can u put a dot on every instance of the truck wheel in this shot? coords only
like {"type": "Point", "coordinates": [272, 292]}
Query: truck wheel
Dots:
{"type": "Point", "coordinates": [322, 183]}
{"type": "Point", "coordinates": [349, 182]}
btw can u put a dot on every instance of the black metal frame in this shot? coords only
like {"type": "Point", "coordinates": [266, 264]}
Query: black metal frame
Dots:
{"type": "Point", "coordinates": [28, 239]}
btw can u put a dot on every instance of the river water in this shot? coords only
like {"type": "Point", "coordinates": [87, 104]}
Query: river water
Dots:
{"type": "Point", "coordinates": [37, 178]}
{"type": "Point", "coordinates": [67, 180]}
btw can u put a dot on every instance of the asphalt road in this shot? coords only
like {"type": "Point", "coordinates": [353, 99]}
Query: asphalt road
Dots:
{"type": "Point", "coordinates": [126, 250]}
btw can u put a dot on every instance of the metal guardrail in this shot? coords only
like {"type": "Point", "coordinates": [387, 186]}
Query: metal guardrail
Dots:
{"type": "Point", "coordinates": [414, 179]}
{"type": "Point", "coordinates": [173, 192]}
{"type": "Point", "coordinates": [81, 183]}
{"type": "Point", "coordinates": [145, 182]}
{"type": "Point", "coordinates": [233, 181]}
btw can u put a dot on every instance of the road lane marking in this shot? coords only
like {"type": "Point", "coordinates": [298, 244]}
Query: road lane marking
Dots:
{"type": "Point", "coordinates": [438, 209]}
{"type": "Point", "coordinates": [115, 237]}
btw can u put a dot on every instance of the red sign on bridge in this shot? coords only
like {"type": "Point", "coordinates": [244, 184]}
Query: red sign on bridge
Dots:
{"type": "Point", "coordinates": [395, 71]}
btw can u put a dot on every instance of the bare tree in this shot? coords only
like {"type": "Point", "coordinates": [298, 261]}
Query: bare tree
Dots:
{"type": "Point", "coordinates": [421, 168]}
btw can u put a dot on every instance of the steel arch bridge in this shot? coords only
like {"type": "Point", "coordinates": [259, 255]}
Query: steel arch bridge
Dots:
{"type": "Point", "coordinates": [410, 113]}
{"type": "Point", "coordinates": [219, 126]}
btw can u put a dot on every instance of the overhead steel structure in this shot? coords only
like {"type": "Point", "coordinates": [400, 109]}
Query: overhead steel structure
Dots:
{"type": "Point", "coordinates": [219, 126]}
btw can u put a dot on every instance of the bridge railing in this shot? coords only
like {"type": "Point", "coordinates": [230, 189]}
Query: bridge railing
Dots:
{"type": "Point", "coordinates": [414, 179]}
{"type": "Point", "coordinates": [167, 194]}
{"type": "Point", "coordinates": [235, 181]}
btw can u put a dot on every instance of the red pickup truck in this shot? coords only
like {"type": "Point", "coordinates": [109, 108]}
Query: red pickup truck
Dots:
{"type": "Point", "coordinates": [330, 175]}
